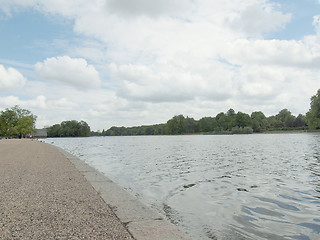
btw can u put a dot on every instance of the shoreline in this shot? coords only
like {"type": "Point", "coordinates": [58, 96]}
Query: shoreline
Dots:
{"type": "Point", "coordinates": [47, 193]}
{"type": "Point", "coordinates": [141, 221]}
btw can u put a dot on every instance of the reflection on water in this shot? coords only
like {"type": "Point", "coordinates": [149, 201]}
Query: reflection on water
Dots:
{"type": "Point", "coordinates": [218, 187]}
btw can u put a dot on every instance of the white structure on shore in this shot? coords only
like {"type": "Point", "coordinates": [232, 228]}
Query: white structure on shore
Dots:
{"type": "Point", "coordinates": [40, 133]}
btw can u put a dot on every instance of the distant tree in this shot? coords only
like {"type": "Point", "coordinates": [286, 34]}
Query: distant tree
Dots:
{"type": "Point", "coordinates": [241, 130]}
{"type": "Point", "coordinates": [243, 120]}
{"type": "Point", "coordinates": [222, 124]}
{"type": "Point", "coordinates": [285, 117]}
{"type": "Point", "coordinates": [190, 125]}
{"type": "Point", "coordinates": [69, 129]}
{"type": "Point", "coordinates": [53, 131]}
{"type": "Point", "coordinates": [157, 129]}
{"type": "Point", "coordinates": [96, 133]}
{"type": "Point", "coordinates": [175, 125]}
{"type": "Point", "coordinates": [300, 121]}
{"type": "Point", "coordinates": [111, 131]}
{"type": "Point", "coordinates": [160, 129]}
{"type": "Point", "coordinates": [259, 121]}
{"type": "Point", "coordinates": [231, 113]}
{"type": "Point", "coordinates": [274, 123]}
{"type": "Point", "coordinates": [84, 129]}
{"type": "Point", "coordinates": [16, 122]}
{"type": "Point", "coordinates": [313, 116]}
{"type": "Point", "coordinates": [258, 115]}
{"type": "Point", "coordinates": [207, 124]}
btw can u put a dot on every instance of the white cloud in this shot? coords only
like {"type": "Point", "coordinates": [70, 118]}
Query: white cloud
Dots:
{"type": "Point", "coordinates": [8, 6]}
{"type": "Point", "coordinates": [204, 28]}
{"type": "Point", "coordinates": [316, 23]}
{"type": "Point", "coordinates": [261, 83]}
{"type": "Point", "coordinates": [170, 83]}
{"type": "Point", "coordinates": [38, 102]}
{"type": "Point", "coordinates": [10, 78]}
{"type": "Point", "coordinates": [10, 101]}
{"type": "Point", "coordinates": [145, 7]}
{"type": "Point", "coordinates": [257, 19]}
{"type": "Point", "coordinates": [196, 57]}
{"type": "Point", "coordinates": [272, 52]}
{"type": "Point", "coordinates": [73, 71]}
{"type": "Point", "coordinates": [61, 7]}
{"type": "Point", "coordinates": [62, 103]}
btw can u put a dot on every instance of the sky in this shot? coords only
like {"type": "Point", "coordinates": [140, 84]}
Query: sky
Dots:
{"type": "Point", "coordinates": [140, 62]}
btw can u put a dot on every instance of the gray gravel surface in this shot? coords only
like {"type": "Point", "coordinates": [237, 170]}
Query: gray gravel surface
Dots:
{"type": "Point", "coordinates": [43, 196]}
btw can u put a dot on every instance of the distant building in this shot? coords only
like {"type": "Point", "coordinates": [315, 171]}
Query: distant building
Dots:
{"type": "Point", "coordinates": [40, 133]}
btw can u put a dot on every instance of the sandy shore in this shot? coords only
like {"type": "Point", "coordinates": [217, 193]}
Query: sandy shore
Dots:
{"type": "Point", "coordinates": [47, 193]}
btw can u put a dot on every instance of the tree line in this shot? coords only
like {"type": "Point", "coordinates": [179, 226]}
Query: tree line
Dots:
{"type": "Point", "coordinates": [228, 123]}
{"type": "Point", "coordinates": [18, 122]}
{"type": "Point", "coordinates": [223, 123]}
{"type": "Point", "coordinates": [71, 128]}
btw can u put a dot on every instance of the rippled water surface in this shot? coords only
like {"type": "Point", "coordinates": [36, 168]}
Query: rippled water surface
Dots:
{"type": "Point", "coordinates": [217, 187]}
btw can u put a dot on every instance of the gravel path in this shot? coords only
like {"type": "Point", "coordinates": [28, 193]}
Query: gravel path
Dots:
{"type": "Point", "coordinates": [43, 196]}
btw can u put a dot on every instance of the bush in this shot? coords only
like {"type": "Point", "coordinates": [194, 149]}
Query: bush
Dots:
{"type": "Point", "coordinates": [241, 130]}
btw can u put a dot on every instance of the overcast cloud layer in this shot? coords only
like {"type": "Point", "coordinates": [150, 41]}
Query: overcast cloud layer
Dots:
{"type": "Point", "coordinates": [134, 62]}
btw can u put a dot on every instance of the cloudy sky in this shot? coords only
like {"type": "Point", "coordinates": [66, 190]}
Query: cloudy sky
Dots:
{"type": "Point", "coordinates": [136, 62]}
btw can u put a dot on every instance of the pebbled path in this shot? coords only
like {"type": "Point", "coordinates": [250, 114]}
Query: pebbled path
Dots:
{"type": "Point", "coordinates": [43, 196]}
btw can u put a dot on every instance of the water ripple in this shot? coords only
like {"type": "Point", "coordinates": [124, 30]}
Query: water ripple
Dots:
{"type": "Point", "coordinates": [218, 187]}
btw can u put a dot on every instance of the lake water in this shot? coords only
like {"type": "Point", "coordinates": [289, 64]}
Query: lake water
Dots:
{"type": "Point", "coordinates": [260, 186]}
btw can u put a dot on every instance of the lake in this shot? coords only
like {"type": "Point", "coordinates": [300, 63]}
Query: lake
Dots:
{"type": "Point", "coordinates": [258, 186]}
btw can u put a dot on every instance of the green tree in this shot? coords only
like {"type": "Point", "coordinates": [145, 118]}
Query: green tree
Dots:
{"type": "Point", "coordinates": [300, 121]}
{"type": "Point", "coordinates": [207, 124]}
{"type": "Point", "coordinates": [69, 129]}
{"type": "Point", "coordinates": [16, 122]}
{"type": "Point", "coordinates": [241, 130]}
{"type": "Point", "coordinates": [313, 116]}
{"type": "Point", "coordinates": [8, 121]}
{"type": "Point", "coordinates": [259, 121]}
{"type": "Point", "coordinates": [243, 120]}
{"type": "Point", "coordinates": [84, 129]}
{"type": "Point", "coordinates": [222, 124]}
{"type": "Point", "coordinates": [53, 131]}
{"type": "Point", "coordinates": [231, 113]}
{"type": "Point", "coordinates": [176, 125]}
{"type": "Point", "coordinates": [285, 117]}
{"type": "Point", "coordinates": [190, 125]}
{"type": "Point", "coordinates": [275, 123]}
{"type": "Point", "coordinates": [258, 115]}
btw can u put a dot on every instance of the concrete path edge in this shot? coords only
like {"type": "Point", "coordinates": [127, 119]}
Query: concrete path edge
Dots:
{"type": "Point", "coordinates": [141, 221]}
